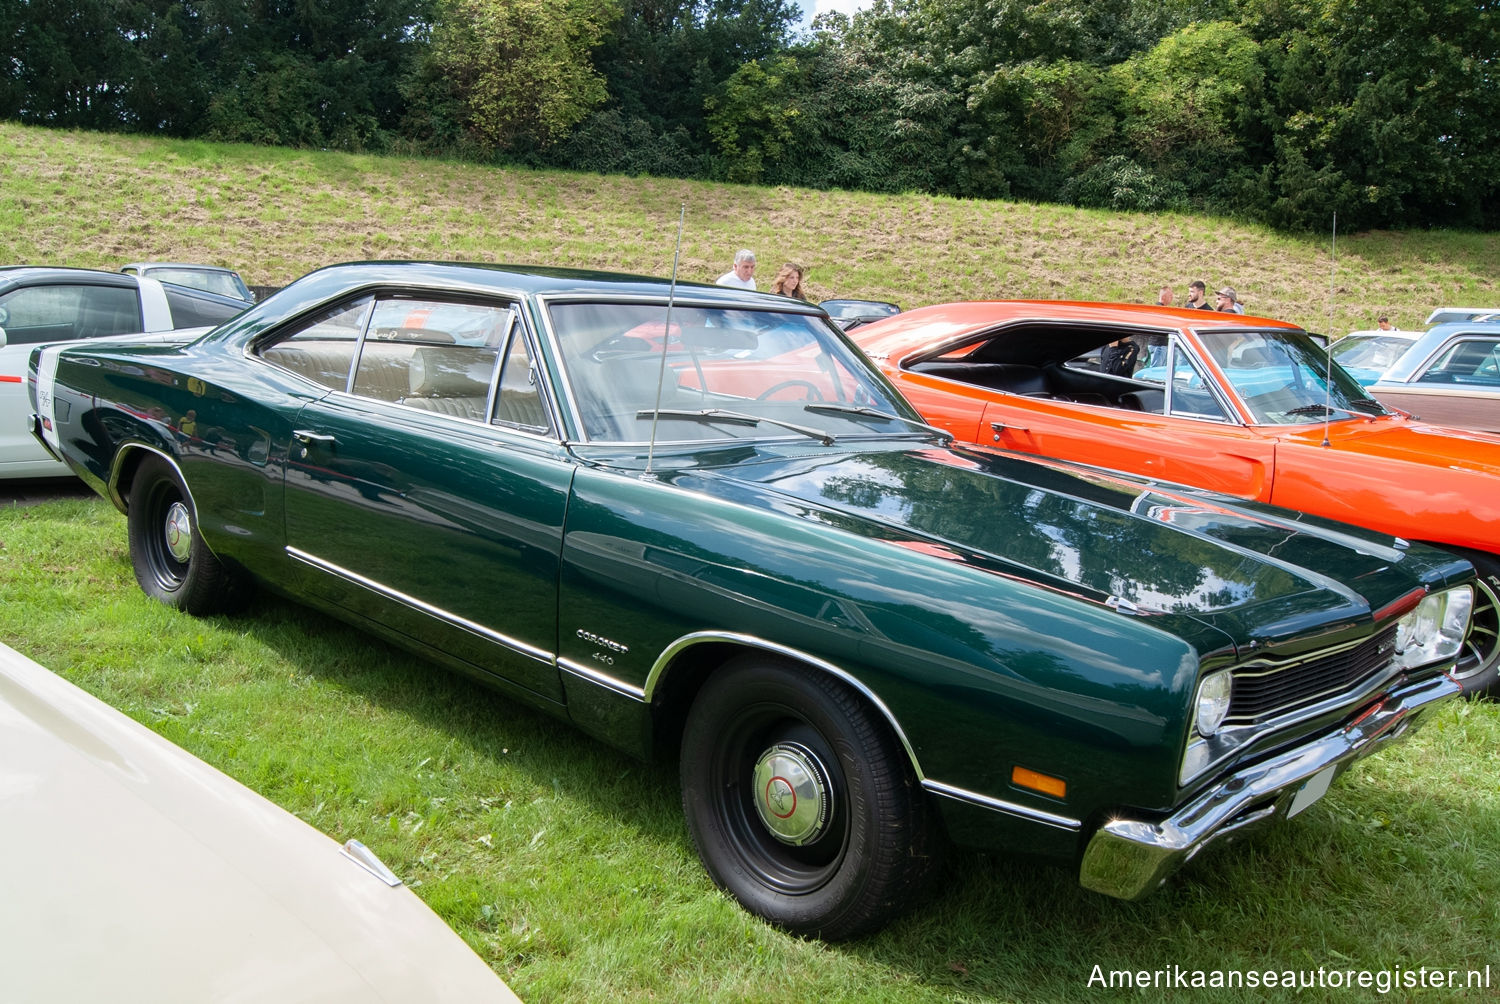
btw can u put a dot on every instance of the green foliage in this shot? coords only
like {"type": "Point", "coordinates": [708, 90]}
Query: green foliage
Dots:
{"type": "Point", "coordinates": [519, 69]}
{"type": "Point", "coordinates": [1120, 184]}
{"type": "Point", "coordinates": [665, 58]}
{"type": "Point", "coordinates": [1384, 111]}
{"type": "Point", "coordinates": [750, 119]}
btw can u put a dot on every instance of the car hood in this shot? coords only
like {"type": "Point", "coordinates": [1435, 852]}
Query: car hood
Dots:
{"type": "Point", "coordinates": [1257, 573]}
{"type": "Point", "coordinates": [1413, 442]}
{"type": "Point", "coordinates": [139, 873]}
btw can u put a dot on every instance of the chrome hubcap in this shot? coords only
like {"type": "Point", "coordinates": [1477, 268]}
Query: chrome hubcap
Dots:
{"type": "Point", "coordinates": [792, 795]}
{"type": "Point", "coordinates": [179, 530]}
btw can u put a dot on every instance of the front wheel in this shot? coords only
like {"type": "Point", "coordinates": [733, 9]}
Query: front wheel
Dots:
{"type": "Point", "coordinates": [800, 801]}
{"type": "Point", "coordinates": [171, 562]}
{"type": "Point", "coordinates": [1478, 670]}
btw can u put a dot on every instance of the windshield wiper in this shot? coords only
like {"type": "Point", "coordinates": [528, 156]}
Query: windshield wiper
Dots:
{"type": "Point", "coordinates": [1319, 409]}
{"type": "Point", "coordinates": [708, 415]}
{"type": "Point", "coordinates": [1371, 406]}
{"type": "Point", "coordinates": [865, 412]}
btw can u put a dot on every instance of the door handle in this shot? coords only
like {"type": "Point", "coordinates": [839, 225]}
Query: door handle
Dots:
{"type": "Point", "coordinates": [1000, 427]}
{"type": "Point", "coordinates": [307, 437]}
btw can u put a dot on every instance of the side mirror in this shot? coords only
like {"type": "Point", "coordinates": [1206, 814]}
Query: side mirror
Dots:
{"type": "Point", "coordinates": [2, 338]}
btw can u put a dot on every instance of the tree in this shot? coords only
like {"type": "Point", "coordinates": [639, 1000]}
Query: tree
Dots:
{"type": "Point", "coordinates": [518, 71]}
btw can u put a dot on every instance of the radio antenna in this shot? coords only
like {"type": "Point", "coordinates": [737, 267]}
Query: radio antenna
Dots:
{"type": "Point", "coordinates": [1333, 265]}
{"type": "Point", "coordinates": [666, 336]}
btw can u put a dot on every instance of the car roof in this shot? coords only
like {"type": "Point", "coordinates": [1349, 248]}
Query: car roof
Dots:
{"type": "Point", "coordinates": [21, 275]}
{"type": "Point", "coordinates": [950, 323]}
{"type": "Point", "coordinates": [534, 280]}
{"type": "Point", "coordinates": [1447, 315]}
{"type": "Point", "coordinates": [1431, 341]}
{"type": "Point", "coordinates": [176, 264]}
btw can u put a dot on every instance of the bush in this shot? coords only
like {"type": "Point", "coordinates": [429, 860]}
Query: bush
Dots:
{"type": "Point", "coordinates": [1121, 184]}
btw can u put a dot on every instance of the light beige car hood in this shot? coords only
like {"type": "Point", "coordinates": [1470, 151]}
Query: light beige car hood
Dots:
{"type": "Point", "coordinates": [131, 871]}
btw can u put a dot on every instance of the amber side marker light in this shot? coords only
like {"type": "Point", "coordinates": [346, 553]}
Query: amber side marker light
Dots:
{"type": "Point", "coordinates": [1054, 786]}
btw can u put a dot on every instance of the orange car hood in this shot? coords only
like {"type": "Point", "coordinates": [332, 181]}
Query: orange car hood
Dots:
{"type": "Point", "coordinates": [1412, 442]}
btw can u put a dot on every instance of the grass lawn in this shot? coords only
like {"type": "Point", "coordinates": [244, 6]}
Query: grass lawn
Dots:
{"type": "Point", "coordinates": [567, 866]}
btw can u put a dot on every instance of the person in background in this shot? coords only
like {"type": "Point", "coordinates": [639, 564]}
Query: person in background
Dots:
{"type": "Point", "coordinates": [1384, 323]}
{"type": "Point", "coordinates": [1198, 296]}
{"type": "Point", "coordinates": [788, 281]}
{"type": "Point", "coordinates": [743, 273]}
{"type": "Point", "coordinates": [1119, 357]}
{"type": "Point", "coordinates": [1228, 301]}
{"type": "Point", "coordinates": [1164, 297]}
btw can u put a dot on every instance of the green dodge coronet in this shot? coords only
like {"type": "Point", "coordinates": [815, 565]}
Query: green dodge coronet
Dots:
{"type": "Point", "coordinates": [695, 521]}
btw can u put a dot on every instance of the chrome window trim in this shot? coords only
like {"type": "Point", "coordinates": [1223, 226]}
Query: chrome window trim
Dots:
{"type": "Point", "coordinates": [421, 606]}
{"type": "Point", "coordinates": [1175, 344]}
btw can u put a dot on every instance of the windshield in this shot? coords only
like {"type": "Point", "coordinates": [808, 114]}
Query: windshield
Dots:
{"type": "Point", "coordinates": [1282, 377]}
{"type": "Point", "coordinates": [1376, 352]}
{"type": "Point", "coordinates": [211, 280]}
{"type": "Point", "coordinates": [721, 374]}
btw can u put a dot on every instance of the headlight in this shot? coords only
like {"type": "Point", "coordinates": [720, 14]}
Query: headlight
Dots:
{"type": "Point", "coordinates": [1435, 630]}
{"type": "Point", "coordinates": [1212, 702]}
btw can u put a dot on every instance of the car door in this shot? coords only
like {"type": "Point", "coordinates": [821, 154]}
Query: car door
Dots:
{"type": "Point", "coordinates": [1183, 432]}
{"type": "Point", "coordinates": [35, 315]}
{"type": "Point", "coordinates": [1459, 386]}
{"type": "Point", "coordinates": [428, 493]}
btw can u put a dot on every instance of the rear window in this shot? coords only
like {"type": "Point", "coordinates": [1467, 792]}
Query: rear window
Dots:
{"type": "Point", "coordinates": [192, 311]}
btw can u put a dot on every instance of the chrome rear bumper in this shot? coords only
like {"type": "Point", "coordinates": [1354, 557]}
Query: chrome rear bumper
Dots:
{"type": "Point", "coordinates": [1129, 858]}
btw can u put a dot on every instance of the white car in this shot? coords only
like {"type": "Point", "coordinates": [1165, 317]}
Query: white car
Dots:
{"type": "Point", "coordinates": [138, 873]}
{"type": "Point", "coordinates": [39, 305]}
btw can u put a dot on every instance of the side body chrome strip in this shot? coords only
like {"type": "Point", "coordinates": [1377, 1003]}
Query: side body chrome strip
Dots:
{"type": "Point", "coordinates": [479, 630]}
{"type": "Point", "coordinates": [1000, 805]}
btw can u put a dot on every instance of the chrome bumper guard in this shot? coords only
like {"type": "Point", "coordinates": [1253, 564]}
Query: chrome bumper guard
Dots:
{"type": "Point", "coordinates": [1128, 858]}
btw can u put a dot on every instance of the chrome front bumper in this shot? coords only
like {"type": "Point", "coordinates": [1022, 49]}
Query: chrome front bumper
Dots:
{"type": "Point", "coordinates": [1129, 858]}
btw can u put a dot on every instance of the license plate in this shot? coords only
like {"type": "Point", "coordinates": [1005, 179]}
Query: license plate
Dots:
{"type": "Point", "coordinates": [1312, 789]}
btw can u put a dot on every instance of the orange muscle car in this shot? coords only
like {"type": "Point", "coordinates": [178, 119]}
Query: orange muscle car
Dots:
{"type": "Point", "coordinates": [1241, 405]}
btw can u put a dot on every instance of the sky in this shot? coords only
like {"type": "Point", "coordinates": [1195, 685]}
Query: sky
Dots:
{"type": "Point", "coordinates": [811, 8]}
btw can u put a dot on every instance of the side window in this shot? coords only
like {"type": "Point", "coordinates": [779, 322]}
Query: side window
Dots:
{"type": "Point", "coordinates": [63, 313]}
{"type": "Point", "coordinates": [1471, 361]}
{"type": "Point", "coordinates": [517, 401]}
{"type": "Point", "coordinates": [189, 311]}
{"type": "Point", "coordinates": [1191, 393]}
{"type": "Point", "coordinates": [433, 355]}
{"type": "Point", "coordinates": [322, 348]}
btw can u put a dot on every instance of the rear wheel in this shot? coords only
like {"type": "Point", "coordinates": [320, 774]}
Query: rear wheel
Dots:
{"type": "Point", "coordinates": [170, 559]}
{"type": "Point", "coordinates": [800, 801]}
{"type": "Point", "coordinates": [1478, 670]}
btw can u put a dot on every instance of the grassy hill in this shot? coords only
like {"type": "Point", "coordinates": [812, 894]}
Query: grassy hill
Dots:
{"type": "Point", "coordinates": [101, 200]}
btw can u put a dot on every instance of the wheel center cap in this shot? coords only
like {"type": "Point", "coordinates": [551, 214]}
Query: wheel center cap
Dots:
{"type": "Point", "coordinates": [792, 796]}
{"type": "Point", "coordinates": [179, 530]}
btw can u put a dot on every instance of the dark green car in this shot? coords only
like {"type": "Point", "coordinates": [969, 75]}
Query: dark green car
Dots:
{"type": "Point", "coordinates": [696, 522]}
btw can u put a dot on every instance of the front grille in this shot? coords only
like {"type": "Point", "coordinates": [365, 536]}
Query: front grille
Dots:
{"type": "Point", "coordinates": [1264, 691]}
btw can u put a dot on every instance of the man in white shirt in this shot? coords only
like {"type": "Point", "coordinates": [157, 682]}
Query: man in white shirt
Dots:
{"type": "Point", "coordinates": [743, 273]}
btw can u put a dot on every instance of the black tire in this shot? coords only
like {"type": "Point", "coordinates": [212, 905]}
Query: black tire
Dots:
{"type": "Point", "coordinates": [867, 840]}
{"type": "Point", "coordinates": [1478, 670]}
{"type": "Point", "coordinates": [170, 559]}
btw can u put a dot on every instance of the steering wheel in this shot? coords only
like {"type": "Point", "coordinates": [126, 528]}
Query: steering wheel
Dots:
{"type": "Point", "coordinates": [813, 394]}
